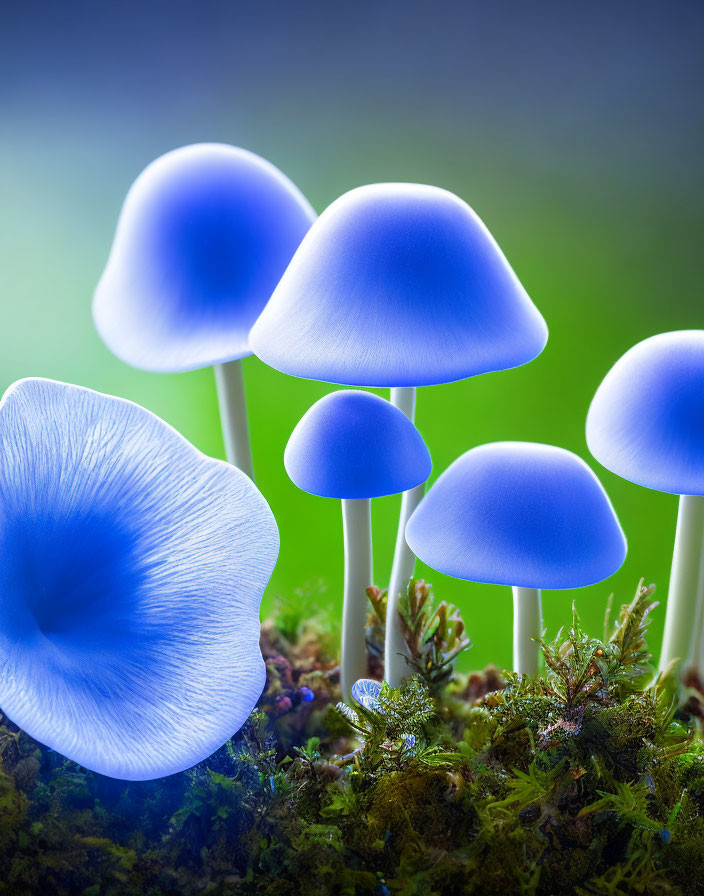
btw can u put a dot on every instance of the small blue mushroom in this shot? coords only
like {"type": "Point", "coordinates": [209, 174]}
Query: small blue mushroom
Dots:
{"type": "Point", "coordinates": [521, 514]}
{"type": "Point", "coordinates": [131, 572]}
{"type": "Point", "coordinates": [646, 424]}
{"type": "Point", "coordinates": [398, 285]}
{"type": "Point", "coordinates": [366, 692]}
{"type": "Point", "coordinates": [204, 235]}
{"type": "Point", "coordinates": [355, 446]}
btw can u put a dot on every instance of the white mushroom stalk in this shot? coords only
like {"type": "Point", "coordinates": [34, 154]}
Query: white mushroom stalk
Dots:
{"type": "Point", "coordinates": [696, 650]}
{"type": "Point", "coordinates": [684, 615]}
{"type": "Point", "coordinates": [396, 667]}
{"type": "Point", "coordinates": [357, 532]}
{"type": "Point", "coordinates": [229, 382]}
{"type": "Point", "coordinates": [527, 628]}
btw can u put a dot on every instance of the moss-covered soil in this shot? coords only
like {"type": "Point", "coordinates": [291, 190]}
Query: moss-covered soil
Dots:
{"type": "Point", "coordinates": [587, 781]}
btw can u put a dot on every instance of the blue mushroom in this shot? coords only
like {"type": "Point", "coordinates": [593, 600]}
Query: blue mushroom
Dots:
{"type": "Point", "coordinates": [131, 572]}
{"type": "Point", "coordinates": [366, 692]}
{"type": "Point", "coordinates": [398, 285]}
{"type": "Point", "coordinates": [355, 446]}
{"type": "Point", "coordinates": [204, 235]}
{"type": "Point", "coordinates": [521, 514]}
{"type": "Point", "coordinates": [646, 424]}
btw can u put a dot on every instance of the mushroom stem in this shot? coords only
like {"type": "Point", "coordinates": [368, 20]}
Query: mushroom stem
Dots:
{"type": "Point", "coordinates": [404, 398]}
{"type": "Point", "coordinates": [357, 530]}
{"type": "Point", "coordinates": [682, 597]}
{"type": "Point", "coordinates": [527, 626]}
{"type": "Point", "coordinates": [696, 645]}
{"type": "Point", "coordinates": [396, 649]}
{"type": "Point", "coordinates": [229, 383]}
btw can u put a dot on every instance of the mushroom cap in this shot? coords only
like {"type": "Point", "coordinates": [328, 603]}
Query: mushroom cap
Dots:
{"type": "Point", "coordinates": [646, 421]}
{"type": "Point", "coordinates": [518, 513]}
{"type": "Point", "coordinates": [131, 573]}
{"type": "Point", "coordinates": [398, 285]}
{"type": "Point", "coordinates": [353, 444]}
{"type": "Point", "coordinates": [204, 235]}
{"type": "Point", "coordinates": [366, 692]}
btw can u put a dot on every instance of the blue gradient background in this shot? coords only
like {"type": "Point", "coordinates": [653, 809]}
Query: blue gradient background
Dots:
{"type": "Point", "coordinates": [574, 130]}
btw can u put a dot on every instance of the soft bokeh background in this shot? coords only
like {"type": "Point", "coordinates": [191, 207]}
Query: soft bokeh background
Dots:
{"type": "Point", "coordinates": [574, 130]}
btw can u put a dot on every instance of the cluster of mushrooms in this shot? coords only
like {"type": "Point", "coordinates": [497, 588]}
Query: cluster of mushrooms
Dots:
{"type": "Point", "coordinates": [133, 566]}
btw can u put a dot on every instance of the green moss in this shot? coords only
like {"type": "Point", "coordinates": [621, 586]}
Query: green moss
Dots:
{"type": "Point", "coordinates": [588, 780]}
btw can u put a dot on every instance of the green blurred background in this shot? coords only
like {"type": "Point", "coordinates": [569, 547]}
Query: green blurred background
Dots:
{"type": "Point", "coordinates": [575, 131]}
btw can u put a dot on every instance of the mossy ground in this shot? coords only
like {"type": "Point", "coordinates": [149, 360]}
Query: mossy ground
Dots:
{"type": "Point", "coordinates": [587, 781]}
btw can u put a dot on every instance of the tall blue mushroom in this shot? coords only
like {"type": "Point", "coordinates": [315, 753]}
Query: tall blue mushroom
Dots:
{"type": "Point", "coordinates": [646, 424]}
{"type": "Point", "coordinates": [521, 514]}
{"type": "Point", "coordinates": [398, 285]}
{"type": "Point", "coordinates": [204, 235]}
{"type": "Point", "coordinates": [355, 446]}
{"type": "Point", "coordinates": [131, 572]}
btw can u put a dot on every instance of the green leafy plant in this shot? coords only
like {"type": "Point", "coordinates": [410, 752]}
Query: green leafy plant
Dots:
{"type": "Point", "coordinates": [583, 669]}
{"type": "Point", "coordinates": [434, 632]}
{"type": "Point", "coordinates": [400, 728]}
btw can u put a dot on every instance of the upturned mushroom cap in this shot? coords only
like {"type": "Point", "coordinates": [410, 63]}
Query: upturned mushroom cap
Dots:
{"type": "Point", "coordinates": [354, 444]}
{"type": "Point", "coordinates": [518, 513]}
{"type": "Point", "coordinates": [204, 235]}
{"type": "Point", "coordinates": [398, 285]}
{"type": "Point", "coordinates": [646, 421]}
{"type": "Point", "coordinates": [131, 573]}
